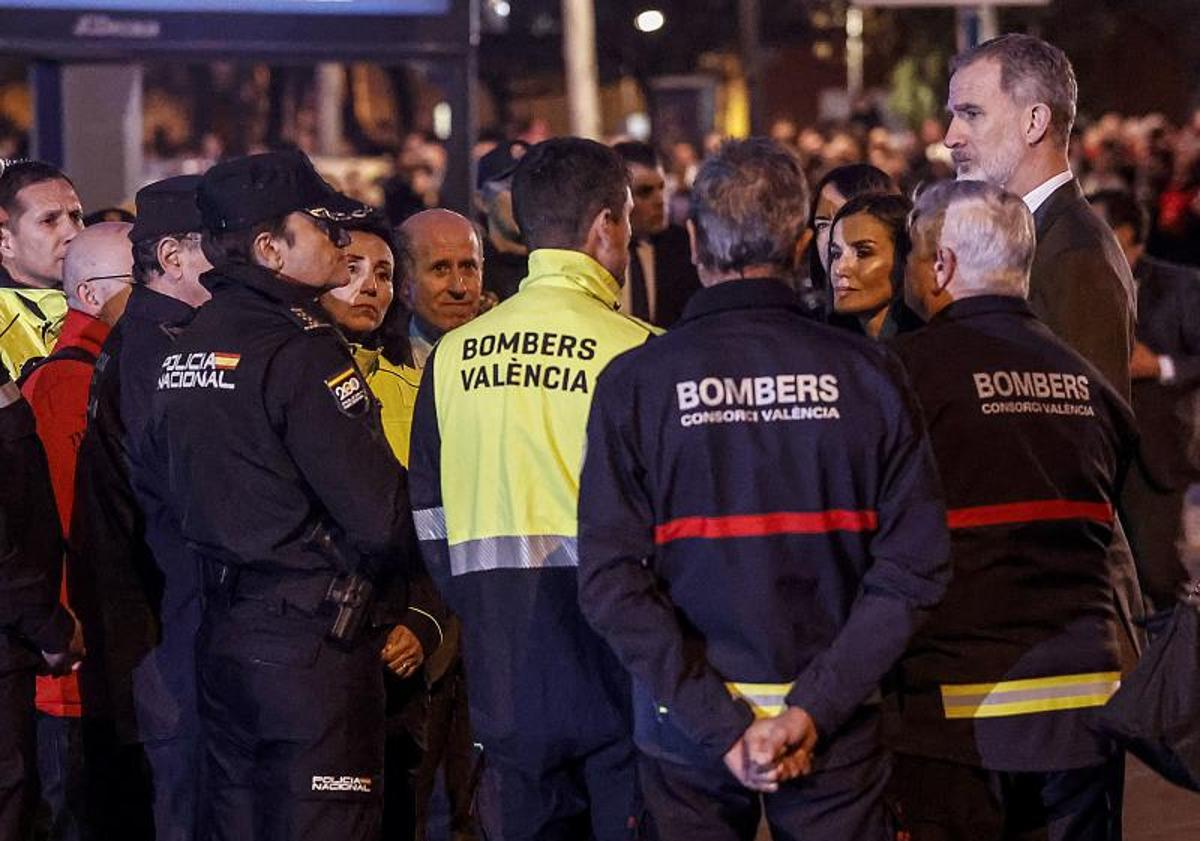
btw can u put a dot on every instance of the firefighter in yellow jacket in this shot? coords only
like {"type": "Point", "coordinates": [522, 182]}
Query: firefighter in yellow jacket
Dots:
{"type": "Point", "coordinates": [496, 451]}
{"type": "Point", "coordinates": [40, 214]}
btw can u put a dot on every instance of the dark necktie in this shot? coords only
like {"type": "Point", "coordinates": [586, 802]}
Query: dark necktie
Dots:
{"type": "Point", "coordinates": [639, 300]}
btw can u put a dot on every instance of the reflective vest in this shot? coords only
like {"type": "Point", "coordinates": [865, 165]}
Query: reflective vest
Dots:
{"type": "Point", "coordinates": [30, 321]}
{"type": "Point", "coordinates": [497, 447]}
{"type": "Point", "coordinates": [395, 387]}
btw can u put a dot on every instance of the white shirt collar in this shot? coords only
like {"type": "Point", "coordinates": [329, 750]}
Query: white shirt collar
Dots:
{"type": "Point", "coordinates": [1036, 197]}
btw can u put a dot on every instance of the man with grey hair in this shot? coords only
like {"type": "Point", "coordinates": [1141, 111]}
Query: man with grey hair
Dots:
{"type": "Point", "coordinates": [759, 530]}
{"type": "Point", "coordinates": [1012, 105]}
{"type": "Point", "coordinates": [995, 696]}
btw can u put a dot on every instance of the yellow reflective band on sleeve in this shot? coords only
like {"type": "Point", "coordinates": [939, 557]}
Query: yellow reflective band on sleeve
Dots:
{"type": "Point", "coordinates": [1032, 695]}
{"type": "Point", "coordinates": [765, 699]}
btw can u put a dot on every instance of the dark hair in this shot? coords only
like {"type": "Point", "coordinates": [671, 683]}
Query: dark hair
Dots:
{"type": "Point", "coordinates": [238, 246]}
{"type": "Point", "coordinates": [637, 152]}
{"type": "Point", "coordinates": [1031, 70]}
{"type": "Point", "coordinates": [852, 180]}
{"type": "Point", "coordinates": [559, 187]}
{"type": "Point", "coordinates": [376, 224]}
{"type": "Point", "coordinates": [108, 214]}
{"type": "Point", "coordinates": [892, 211]}
{"type": "Point", "coordinates": [1121, 208]}
{"type": "Point", "coordinates": [15, 176]}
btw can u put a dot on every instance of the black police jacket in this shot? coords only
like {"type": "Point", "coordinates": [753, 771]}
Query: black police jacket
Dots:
{"type": "Point", "coordinates": [143, 609]}
{"type": "Point", "coordinates": [1031, 442]}
{"type": "Point", "coordinates": [760, 523]}
{"type": "Point", "coordinates": [272, 446]}
{"type": "Point", "coordinates": [31, 618]}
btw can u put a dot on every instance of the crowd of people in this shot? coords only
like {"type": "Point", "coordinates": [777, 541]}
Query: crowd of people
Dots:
{"type": "Point", "coordinates": [822, 506]}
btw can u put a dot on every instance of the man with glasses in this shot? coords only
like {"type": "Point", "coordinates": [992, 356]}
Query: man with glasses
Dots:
{"type": "Point", "coordinates": [97, 271]}
{"type": "Point", "coordinates": [269, 453]}
{"type": "Point", "coordinates": [147, 601]}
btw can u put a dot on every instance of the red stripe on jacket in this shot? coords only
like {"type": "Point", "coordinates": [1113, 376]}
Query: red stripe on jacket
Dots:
{"type": "Point", "coordinates": [765, 525]}
{"type": "Point", "coordinates": [1034, 511]}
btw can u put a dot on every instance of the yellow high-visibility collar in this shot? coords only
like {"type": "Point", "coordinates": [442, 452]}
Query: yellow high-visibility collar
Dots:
{"type": "Point", "coordinates": [565, 269]}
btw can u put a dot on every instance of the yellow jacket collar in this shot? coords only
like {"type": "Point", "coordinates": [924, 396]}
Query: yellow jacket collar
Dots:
{"type": "Point", "coordinates": [366, 359]}
{"type": "Point", "coordinates": [557, 267]}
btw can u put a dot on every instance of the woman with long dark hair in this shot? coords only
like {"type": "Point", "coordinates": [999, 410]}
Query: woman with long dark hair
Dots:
{"type": "Point", "coordinates": [868, 249]}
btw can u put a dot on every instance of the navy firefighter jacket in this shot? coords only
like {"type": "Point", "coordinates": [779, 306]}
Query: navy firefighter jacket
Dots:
{"type": "Point", "coordinates": [1031, 442]}
{"type": "Point", "coordinates": [760, 524]}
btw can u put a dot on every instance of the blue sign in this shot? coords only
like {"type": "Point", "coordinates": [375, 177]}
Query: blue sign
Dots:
{"type": "Point", "coordinates": [264, 7]}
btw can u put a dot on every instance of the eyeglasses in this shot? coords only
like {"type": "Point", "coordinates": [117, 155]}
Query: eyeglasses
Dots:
{"type": "Point", "coordinates": [127, 278]}
{"type": "Point", "coordinates": [338, 235]}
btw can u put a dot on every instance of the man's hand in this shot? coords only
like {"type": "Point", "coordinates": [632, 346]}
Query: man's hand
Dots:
{"type": "Point", "coordinates": [402, 653]}
{"type": "Point", "coordinates": [737, 760]}
{"type": "Point", "coordinates": [773, 750]}
{"type": "Point", "coordinates": [1143, 365]}
{"type": "Point", "coordinates": [65, 662]}
{"type": "Point", "coordinates": [785, 742]}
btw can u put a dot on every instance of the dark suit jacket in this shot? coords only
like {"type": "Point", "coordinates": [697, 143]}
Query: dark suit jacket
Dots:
{"type": "Point", "coordinates": [1081, 285]}
{"type": "Point", "coordinates": [675, 277]}
{"type": "Point", "coordinates": [1169, 324]}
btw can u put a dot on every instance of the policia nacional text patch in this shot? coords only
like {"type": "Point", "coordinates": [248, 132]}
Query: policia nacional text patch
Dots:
{"type": "Point", "coordinates": [350, 392]}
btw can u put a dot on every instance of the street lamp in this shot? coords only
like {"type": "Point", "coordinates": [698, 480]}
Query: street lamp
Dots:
{"type": "Point", "coordinates": [651, 20]}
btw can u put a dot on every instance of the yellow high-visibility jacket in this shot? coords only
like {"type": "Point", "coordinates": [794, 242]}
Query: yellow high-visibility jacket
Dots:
{"type": "Point", "coordinates": [497, 448]}
{"type": "Point", "coordinates": [395, 387]}
{"type": "Point", "coordinates": [30, 321]}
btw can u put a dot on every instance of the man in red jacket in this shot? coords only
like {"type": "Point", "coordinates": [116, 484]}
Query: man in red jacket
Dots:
{"type": "Point", "coordinates": [97, 273]}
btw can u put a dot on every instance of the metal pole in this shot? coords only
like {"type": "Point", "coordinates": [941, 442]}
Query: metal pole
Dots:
{"type": "Point", "coordinates": [750, 31]}
{"type": "Point", "coordinates": [331, 93]}
{"type": "Point", "coordinates": [47, 142]}
{"type": "Point", "coordinates": [989, 23]}
{"type": "Point", "coordinates": [579, 55]}
{"type": "Point", "coordinates": [854, 51]}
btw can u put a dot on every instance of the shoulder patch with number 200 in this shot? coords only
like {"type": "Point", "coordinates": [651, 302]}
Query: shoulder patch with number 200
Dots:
{"type": "Point", "coordinates": [350, 392]}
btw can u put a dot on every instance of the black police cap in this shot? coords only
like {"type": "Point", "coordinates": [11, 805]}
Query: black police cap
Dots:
{"type": "Point", "coordinates": [245, 192]}
{"type": "Point", "coordinates": [166, 207]}
{"type": "Point", "coordinates": [500, 162]}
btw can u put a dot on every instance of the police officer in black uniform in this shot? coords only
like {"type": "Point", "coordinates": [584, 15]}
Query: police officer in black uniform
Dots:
{"type": "Point", "coordinates": [145, 611]}
{"type": "Point", "coordinates": [36, 631]}
{"type": "Point", "coordinates": [287, 492]}
{"type": "Point", "coordinates": [760, 530]}
{"type": "Point", "coordinates": [997, 692]}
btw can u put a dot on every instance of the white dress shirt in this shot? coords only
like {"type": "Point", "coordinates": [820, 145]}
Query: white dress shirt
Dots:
{"type": "Point", "coordinates": [1036, 197]}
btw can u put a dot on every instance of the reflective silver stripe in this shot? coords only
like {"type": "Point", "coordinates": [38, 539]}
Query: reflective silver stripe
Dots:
{"type": "Point", "coordinates": [1021, 697]}
{"type": "Point", "coordinates": [532, 551]}
{"type": "Point", "coordinates": [765, 699]}
{"type": "Point", "coordinates": [9, 394]}
{"type": "Point", "coordinates": [430, 523]}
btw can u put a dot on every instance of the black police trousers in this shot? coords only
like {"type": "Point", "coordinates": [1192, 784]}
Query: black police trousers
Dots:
{"type": "Point", "coordinates": [18, 755]}
{"type": "Point", "coordinates": [293, 725]}
{"type": "Point", "coordinates": [946, 801]}
{"type": "Point", "coordinates": [569, 794]}
{"type": "Point", "coordinates": [689, 803]}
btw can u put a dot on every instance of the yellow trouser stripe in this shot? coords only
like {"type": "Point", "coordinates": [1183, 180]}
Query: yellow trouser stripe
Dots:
{"type": "Point", "coordinates": [1031, 695]}
{"type": "Point", "coordinates": [765, 699]}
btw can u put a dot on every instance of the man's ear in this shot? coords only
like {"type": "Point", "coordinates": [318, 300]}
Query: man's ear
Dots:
{"type": "Point", "coordinates": [267, 252]}
{"type": "Point", "coordinates": [945, 264]}
{"type": "Point", "coordinates": [1037, 123]}
{"type": "Point", "coordinates": [169, 257]}
{"type": "Point", "coordinates": [5, 236]}
{"type": "Point", "coordinates": [599, 231]}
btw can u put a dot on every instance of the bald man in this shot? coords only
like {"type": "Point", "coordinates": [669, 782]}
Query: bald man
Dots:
{"type": "Point", "coordinates": [97, 273]}
{"type": "Point", "coordinates": [441, 265]}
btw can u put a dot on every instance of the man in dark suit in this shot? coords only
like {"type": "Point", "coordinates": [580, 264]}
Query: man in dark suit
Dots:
{"type": "Point", "coordinates": [1012, 101]}
{"type": "Point", "coordinates": [1165, 370]}
{"type": "Point", "coordinates": [661, 276]}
